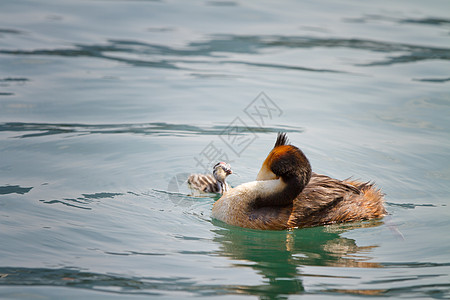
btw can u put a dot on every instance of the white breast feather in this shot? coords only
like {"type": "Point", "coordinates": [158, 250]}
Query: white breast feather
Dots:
{"type": "Point", "coordinates": [233, 204]}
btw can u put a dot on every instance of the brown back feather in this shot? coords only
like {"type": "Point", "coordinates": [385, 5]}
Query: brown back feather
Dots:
{"type": "Point", "coordinates": [326, 200]}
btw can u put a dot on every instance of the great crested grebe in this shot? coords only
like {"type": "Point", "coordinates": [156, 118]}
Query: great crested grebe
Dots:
{"type": "Point", "coordinates": [287, 194]}
{"type": "Point", "coordinates": [214, 183]}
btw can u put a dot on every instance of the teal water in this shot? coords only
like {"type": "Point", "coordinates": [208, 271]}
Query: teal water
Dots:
{"type": "Point", "coordinates": [107, 105]}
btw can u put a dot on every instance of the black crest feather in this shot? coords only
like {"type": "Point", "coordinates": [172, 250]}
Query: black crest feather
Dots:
{"type": "Point", "coordinates": [281, 139]}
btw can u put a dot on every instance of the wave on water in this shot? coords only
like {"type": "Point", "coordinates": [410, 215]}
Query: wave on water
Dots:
{"type": "Point", "coordinates": [220, 47]}
{"type": "Point", "coordinates": [29, 130]}
{"type": "Point", "coordinates": [14, 189]}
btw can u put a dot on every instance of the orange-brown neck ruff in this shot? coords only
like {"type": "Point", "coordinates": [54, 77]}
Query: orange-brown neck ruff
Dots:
{"type": "Point", "coordinates": [291, 165]}
{"type": "Point", "coordinates": [266, 173]}
{"type": "Point", "coordinates": [283, 156]}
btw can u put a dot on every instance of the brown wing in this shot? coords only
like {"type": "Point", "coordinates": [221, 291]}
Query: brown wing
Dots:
{"type": "Point", "coordinates": [326, 200]}
{"type": "Point", "coordinates": [203, 182]}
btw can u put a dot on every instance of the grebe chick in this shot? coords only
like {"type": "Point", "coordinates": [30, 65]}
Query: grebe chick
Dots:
{"type": "Point", "coordinates": [287, 194]}
{"type": "Point", "coordinates": [214, 183]}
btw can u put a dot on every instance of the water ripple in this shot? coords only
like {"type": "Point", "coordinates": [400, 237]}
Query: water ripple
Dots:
{"type": "Point", "coordinates": [248, 44]}
{"type": "Point", "coordinates": [82, 202]}
{"type": "Point", "coordinates": [128, 285]}
{"type": "Point", "coordinates": [110, 283]}
{"type": "Point", "coordinates": [367, 18]}
{"type": "Point", "coordinates": [30, 130]}
{"type": "Point", "coordinates": [10, 31]}
{"type": "Point", "coordinates": [11, 79]}
{"type": "Point", "coordinates": [433, 80]}
{"type": "Point", "coordinates": [428, 21]}
{"type": "Point", "coordinates": [14, 189]}
{"type": "Point", "coordinates": [410, 205]}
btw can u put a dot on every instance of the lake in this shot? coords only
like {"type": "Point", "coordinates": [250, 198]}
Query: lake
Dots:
{"type": "Point", "coordinates": [106, 106]}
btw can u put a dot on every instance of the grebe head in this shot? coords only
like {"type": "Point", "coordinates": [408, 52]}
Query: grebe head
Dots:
{"type": "Point", "coordinates": [221, 170]}
{"type": "Point", "coordinates": [287, 162]}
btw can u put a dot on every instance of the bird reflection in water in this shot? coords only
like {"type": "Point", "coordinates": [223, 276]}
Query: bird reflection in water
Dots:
{"type": "Point", "coordinates": [278, 256]}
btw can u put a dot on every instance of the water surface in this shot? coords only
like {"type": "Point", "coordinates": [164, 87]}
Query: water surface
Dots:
{"type": "Point", "coordinates": [106, 106]}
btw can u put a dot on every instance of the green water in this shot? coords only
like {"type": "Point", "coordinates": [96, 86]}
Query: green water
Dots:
{"type": "Point", "coordinates": [106, 106]}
